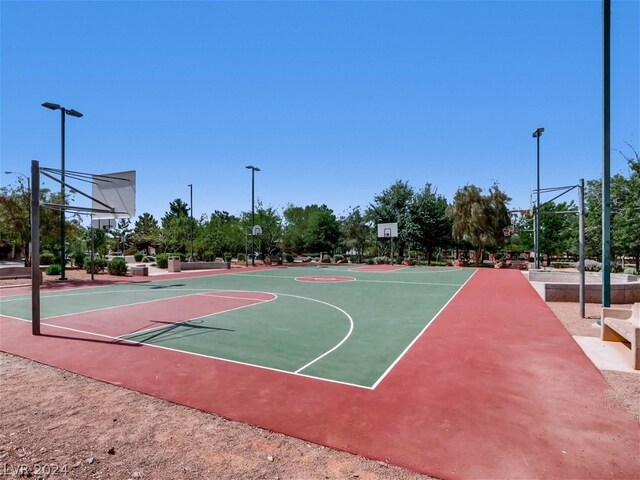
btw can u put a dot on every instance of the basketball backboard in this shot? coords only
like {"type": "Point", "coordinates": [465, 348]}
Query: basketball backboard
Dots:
{"type": "Point", "coordinates": [387, 230]}
{"type": "Point", "coordinates": [118, 190]}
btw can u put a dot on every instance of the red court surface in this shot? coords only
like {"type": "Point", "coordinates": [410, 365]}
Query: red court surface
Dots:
{"type": "Point", "coordinates": [494, 388]}
{"type": "Point", "coordinates": [158, 313]}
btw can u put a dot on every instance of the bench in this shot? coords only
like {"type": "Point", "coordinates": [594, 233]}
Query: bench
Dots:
{"type": "Point", "coordinates": [622, 324]}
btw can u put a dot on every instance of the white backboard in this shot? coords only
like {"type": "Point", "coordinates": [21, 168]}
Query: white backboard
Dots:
{"type": "Point", "coordinates": [387, 230]}
{"type": "Point", "coordinates": [118, 191]}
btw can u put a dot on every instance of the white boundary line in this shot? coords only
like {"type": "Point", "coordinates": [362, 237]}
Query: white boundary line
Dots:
{"type": "Point", "coordinates": [375, 385]}
{"type": "Point", "coordinates": [195, 354]}
{"type": "Point", "coordinates": [312, 279]}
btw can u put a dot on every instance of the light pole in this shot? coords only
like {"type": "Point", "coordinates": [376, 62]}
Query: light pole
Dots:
{"type": "Point", "coordinates": [536, 134]}
{"type": "Point", "coordinates": [191, 223]}
{"type": "Point", "coordinates": [28, 254]}
{"type": "Point", "coordinates": [63, 112]}
{"type": "Point", "coordinates": [253, 213]}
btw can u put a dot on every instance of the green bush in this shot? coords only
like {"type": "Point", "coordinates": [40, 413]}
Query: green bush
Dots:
{"type": "Point", "coordinates": [46, 258]}
{"type": "Point", "coordinates": [53, 269]}
{"type": "Point", "coordinates": [370, 261]}
{"type": "Point", "coordinates": [99, 264]}
{"type": "Point", "coordinates": [288, 257]}
{"type": "Point", "coordinates": [78, 258]}
{"type": "Point", "coordinates": [117, 266]}
{"type": "Point", "coordinates": [630, 271]}
{"type": "Point", "coordinates": [592, 266]}
{"type": "Point", "coordinates": [162, 260]}
{"type": "Point", "coordinates": [147, 259]}
{"type": "Point", "coordinates": [381, 260]}
{"type": "Point", "coordinates": [227, 257]}
{"type": "Point", "coordinates": [242, 257]}
{"type": "Point", "coordinates": [138, 256]}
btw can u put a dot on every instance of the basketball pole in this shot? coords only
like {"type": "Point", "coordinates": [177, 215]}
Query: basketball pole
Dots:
{"type": "Point", "coordinates": [35, 248]}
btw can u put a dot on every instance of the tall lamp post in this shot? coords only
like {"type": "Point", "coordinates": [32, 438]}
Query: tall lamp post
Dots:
{"type": "Point", "coordinates": [536, 134]}
{"type": "Point", "coordinates": [191, 223]}
{"type": "Point", "coordinates": [63, 113]}
{"type": "Point", "coordinates": [253, 213]}
{"type": "Point", "coordinates": [26, 258]}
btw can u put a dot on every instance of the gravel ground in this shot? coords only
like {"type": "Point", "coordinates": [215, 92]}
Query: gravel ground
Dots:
{"type": "Point", "coordinates": [53, 421]}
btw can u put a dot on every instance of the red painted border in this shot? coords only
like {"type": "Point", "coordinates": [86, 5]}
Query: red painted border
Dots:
{"type": "Point", "coordinates": [495, 388]}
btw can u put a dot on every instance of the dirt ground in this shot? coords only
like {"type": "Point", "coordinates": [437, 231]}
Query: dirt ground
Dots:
{"type": "Point", "coordinates": [58, 424]}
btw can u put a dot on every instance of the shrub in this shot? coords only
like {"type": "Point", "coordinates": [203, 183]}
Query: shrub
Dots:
{"type": "Point", "coordinates": [288, 257]}
{"type": "Point", "coordinates": [78, 258]}
{"type": "Point", "coordinates": [630, 271]}
{"type": "Point", "coordinates": [227, 257]}
{"type": "Point", "coordinates": [162, 260]}
{"type": "Point", "coordinates": [592, 266]}
{"type": "Point", "coordinates": [99, 264]}
{"type": "Point", "coordinates": [242, 257]}
{"type": "Point", "coordinates": [381, 260]}
{"type": "Point", "coordinates": [370, 261]}
{"type": "Point", "coordinates": [46, 258]}
{"type": "Point", "coordinates": [117, 266]}
{"type": "Point", "coordinates": [147, 259]}
{"type": "Point", "coordinates": [353, 258]}
{"type": "Point", "coordinates": [54, 269]}
{"type": "Point", "coordinates": [138, 256]}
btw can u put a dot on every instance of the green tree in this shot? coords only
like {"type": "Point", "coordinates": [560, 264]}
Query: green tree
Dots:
{"type": "Point", "coordinates": [392, 206]}
{"type": "Point", "coordinates": [430, 224]}
{"type": "Point", "coordinates": [356, 233]}
{"type": "Point", "coordinates": [480, 219]}
{"type": "Point", "coordinates": [15, 206]}
{"type": "Point", "coordinates": [176, 227]}
{"type": "Point", "coordinates": [271, 223]}
{"type": "Point", "coordinates": [558, 231]}
{"type": "Point", "coordinates": [626, 223]}
{"type": "Point", "coordinates": [296, 224]}
{"type": "Point", "coordinates": [324, 230]}
{"type": "Point", "coordinates": [146, 232]}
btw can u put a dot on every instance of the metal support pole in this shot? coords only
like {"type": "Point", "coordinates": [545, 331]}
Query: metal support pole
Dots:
{"type": "Point", "coordinates": [253, 219]}
{"type": "Point", "coordinates": [606, 156]}
{"type": "Point", "coordinates": [35, 248]}
{"type": "Point", "coordinates": [536, 235]}
{"type": "Point", "coordinates": [191, 224]}
{"type": "Point", "coordinates": [581, 244]}
{"type": "Point", "coordinates": [537, 263]}
{"type": "Point", "coordinates": [63, 253]}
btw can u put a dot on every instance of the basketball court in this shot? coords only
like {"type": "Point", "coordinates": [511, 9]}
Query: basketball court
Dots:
{"type": "Point", "coordinates": [456, 373]}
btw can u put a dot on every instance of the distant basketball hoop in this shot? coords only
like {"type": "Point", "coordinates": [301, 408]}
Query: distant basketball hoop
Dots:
{"type": "Point", "coordinates": [387, 230]}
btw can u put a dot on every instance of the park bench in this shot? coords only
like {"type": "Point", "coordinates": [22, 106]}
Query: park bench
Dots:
{"type": "Point", "coordinates": [623, 324]}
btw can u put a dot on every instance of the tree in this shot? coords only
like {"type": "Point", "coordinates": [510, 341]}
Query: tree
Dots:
{"type": "Point", "coordinates": [177, 208]}
{"type": "Point", "coordinates": [480, 219]}
{"type": "Point", "coordinates": [271, 224]}
{"type": "Point", "coordinates": [626, 224]}
{"type": "Point", "coordinates": [391, 206]}
{"type": "Point", "coordinates": [146, 232]}
{"type": "Point", "coordinates": [120, 234]}
{"type": "Point", "coordinates": [355, 232]}
{"type": "Point", "coordinates": [430, 224]}
{"type": "Point", "coordinates": [296, 223]}
{"type": "Point", "coordinates": [14, 214]}
{"type": "Point", "coordinates": [323, 233]}
{"type": "Point", "coordinates": [558, 231]}
{"type": "Point", "coordinates": [176, 227]}
{"type": "Point", "coordinates": [15, 219]}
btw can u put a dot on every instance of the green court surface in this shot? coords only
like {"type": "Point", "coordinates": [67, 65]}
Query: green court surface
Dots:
{"type": "Point", "coordinates": [351, 331]}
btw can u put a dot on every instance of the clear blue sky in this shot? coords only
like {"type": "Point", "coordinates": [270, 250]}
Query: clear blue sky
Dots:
{"type": "Point", "coordinates": [334, 101]}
